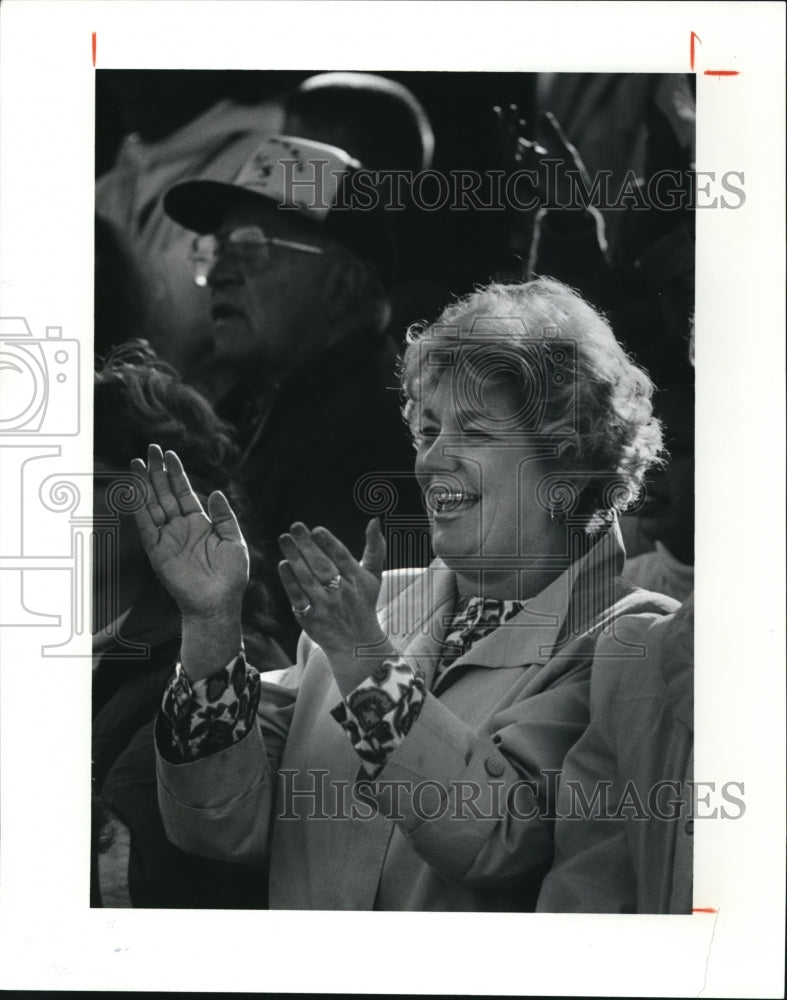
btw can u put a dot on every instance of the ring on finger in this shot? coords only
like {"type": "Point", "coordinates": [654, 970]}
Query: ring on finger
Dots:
{"type": "Point", "coordinates": [333, 584]}
{"type": "Point", "coordinates": [298, 612]}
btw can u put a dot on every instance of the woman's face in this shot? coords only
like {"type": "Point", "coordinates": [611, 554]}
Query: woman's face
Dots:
{"type": "Point", "coordinates": [479, 476]}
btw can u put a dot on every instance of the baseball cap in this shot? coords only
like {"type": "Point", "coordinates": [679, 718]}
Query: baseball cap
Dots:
{"type": "Point", "coordinates": [306, 180]}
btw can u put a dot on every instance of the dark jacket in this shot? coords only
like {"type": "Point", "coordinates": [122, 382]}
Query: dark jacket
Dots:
{"type": "Point", "coordinates": [127, 692]}
{"type": "Point", "coordinates": [315, 449]}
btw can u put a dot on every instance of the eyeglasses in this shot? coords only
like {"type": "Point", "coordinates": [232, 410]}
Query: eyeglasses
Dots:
{"type": "Point", "coordinates": [247, 245]}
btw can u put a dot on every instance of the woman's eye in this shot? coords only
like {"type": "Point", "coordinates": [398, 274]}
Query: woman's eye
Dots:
{"type": "Point", "coordinates": [428, 432]}
{"type": "Point", "coordinates": [478, 434]}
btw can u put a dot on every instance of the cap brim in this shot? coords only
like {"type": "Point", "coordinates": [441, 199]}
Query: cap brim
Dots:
{"type": "Point", "coordinates": [200, 205]}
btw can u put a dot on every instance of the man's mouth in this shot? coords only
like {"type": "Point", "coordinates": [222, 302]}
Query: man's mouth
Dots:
{"type": "Point", "coordinates": [220, 311]}
{"type": "Point", "coordinates": [443, 502]}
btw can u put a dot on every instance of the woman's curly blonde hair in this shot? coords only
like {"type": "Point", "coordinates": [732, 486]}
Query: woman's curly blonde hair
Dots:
{"type": "Point", "coordinates": [579, 388]}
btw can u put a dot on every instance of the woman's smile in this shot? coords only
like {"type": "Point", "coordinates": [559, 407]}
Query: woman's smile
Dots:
{"type": "Point", "coordinates": [477, 485]}
{"type": "Point", "coordinates": [446, 504]}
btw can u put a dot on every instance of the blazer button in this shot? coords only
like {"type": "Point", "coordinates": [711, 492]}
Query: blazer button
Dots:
{"type": "Point", "coordinates": [494, 766]}
{"type": "Point", "coordinates": [690, 827]}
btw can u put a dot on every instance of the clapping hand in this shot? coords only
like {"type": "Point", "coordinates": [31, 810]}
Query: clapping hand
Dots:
{"type": "Point", "coordinates": [334, 596]}
{"type": "Point", "coordinates": [200, 558]}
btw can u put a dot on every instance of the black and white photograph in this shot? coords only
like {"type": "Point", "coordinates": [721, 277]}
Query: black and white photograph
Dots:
{"type": "Point", "coordinates": [289, 260]}
{"type": "Point", "coordinates": [351, 464]}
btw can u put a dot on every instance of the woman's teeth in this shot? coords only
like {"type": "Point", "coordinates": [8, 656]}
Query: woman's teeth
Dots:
{"type": "Point", "coordinates": [450, 501]}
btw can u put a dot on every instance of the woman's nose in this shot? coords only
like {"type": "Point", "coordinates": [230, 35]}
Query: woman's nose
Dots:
{"type": "Point", "coordinates": [435, 455]}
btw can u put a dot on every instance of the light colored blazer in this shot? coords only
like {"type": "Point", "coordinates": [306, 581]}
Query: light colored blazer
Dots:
{"type": "Point", "coordinates": [503, 714]}
{"type": "Point", "coordinates": [641, 734]}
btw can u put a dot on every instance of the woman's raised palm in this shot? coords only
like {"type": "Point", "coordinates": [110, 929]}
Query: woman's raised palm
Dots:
{"type": "Point", "coordinates": [201, 558]}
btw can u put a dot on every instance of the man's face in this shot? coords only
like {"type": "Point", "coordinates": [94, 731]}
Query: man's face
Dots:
{"type": "Point", "coordinates": [269, 311]}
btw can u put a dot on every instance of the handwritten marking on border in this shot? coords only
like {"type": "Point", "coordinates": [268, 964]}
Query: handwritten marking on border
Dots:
{"type": "Point", "coordinates": [694, 37]}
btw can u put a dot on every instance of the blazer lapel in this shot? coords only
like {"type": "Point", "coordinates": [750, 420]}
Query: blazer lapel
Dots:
{"type": "Point", "coordinates": [561, 611]}
{"type": "Point", "coordinates": [417, 619]}
{"type": "Point", "coordinates": [527, 638]}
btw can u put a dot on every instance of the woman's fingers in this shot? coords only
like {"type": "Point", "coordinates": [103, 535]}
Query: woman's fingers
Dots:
{"type": "Point", "coordinates": [296, 595]}
{"type": "Point", "coordinates": [223, 517]}
{"type": "Point", "coordinates": [299, 567]}
{"type": "Point", "coordinates": [159, 479]}
{"type": "Point", "coordinates": [170, 495]}
{"type": "Point", "coordinates": [323, 568]}
{"type": "Point", "coordinates": [373, 558]}
{"type": "Point", "coordinates": [339, 555]}
{"type": "Point", "coordinates": [188, 501]}
{"type": "Point", "coordinates": [147, 525]}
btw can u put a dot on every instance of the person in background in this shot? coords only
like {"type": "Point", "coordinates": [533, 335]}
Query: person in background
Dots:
{"type": "Point", "coordinates": [118, 315]}
{"type": "Point", "coordinates": [609, 118]}
{"type": "Point", "coordinates": [377, 120]}
{"type": "Point", "coordinates": [136, 632]}
{"type": "Point", "coordinates": [666, 512]}
{"type": "Point", "coordinates": [304, 369]}
{"type": "Point", "coordinates": [383, 125]}
{"type": "Point", "coordinates": [187, 125]}
{"type": "Point", "coordinates": [177, 125]}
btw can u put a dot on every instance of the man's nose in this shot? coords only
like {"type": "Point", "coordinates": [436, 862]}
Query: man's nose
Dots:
{"type": "Point", "coordinates": [224, 271]}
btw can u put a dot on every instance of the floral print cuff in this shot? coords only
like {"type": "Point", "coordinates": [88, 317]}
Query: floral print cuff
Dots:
{"type": "Point", "coordinates": [209, 715]}
{"type": "Point", "coordinates": [379, 713]}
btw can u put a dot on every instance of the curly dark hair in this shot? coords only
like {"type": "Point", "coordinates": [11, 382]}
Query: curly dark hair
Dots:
{"type": "Point", "coordinates": [138, 399]}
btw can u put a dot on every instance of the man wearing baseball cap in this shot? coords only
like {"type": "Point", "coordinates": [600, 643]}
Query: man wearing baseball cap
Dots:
{"type": "Point", "coordinates": [296, 284]}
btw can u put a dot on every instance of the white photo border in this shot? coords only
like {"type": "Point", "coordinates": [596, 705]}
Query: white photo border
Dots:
{"type": "Point", "coordinates": [49, 937]}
